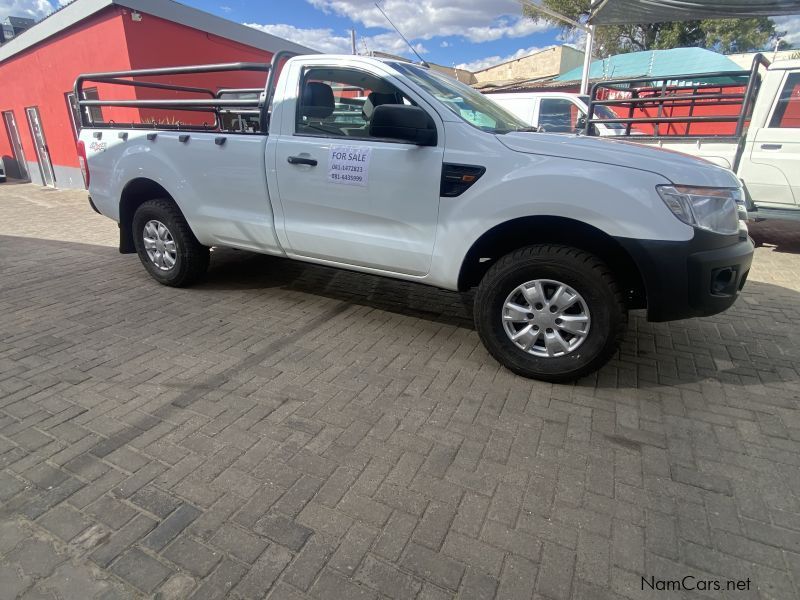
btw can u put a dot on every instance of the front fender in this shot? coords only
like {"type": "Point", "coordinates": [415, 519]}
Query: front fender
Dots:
{"type": "Point", "coordinates": [619, 201]}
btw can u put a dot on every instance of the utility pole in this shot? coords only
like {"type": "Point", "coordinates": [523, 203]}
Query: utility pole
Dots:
{"type": "Point", "coordinates": [353, 40]}
{"type": "Point", "coordinates": [587, 29]}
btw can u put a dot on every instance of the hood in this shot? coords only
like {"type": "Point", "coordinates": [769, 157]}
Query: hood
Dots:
{"type": "Point", "coordinates": [677, 167]}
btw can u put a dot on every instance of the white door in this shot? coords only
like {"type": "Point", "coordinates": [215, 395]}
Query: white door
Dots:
{"type": "Point", "coordinates": [771, 163]}
{"type": "Point", "coordinates": [349, 198]}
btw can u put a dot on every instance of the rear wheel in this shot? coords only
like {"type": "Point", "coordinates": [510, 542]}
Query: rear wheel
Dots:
{"type": "Point", "coordinates": [166, 245]}
{"type": "Point", "coordinates": [550, 312]}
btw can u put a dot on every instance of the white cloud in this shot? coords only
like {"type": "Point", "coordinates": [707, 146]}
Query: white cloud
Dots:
{"type": "Point", "coordinates": [327, 41]}
{"type": "Point", "coordinates": [482, 63]}
{"type": "Point", "coordinates": [32, 9]}
{"type": "Point", "coordinates": [426, 19]}
{"type": "Point", "coordinates": [225, 9]}
{"type": "Point", "coordinates": [791, 25]}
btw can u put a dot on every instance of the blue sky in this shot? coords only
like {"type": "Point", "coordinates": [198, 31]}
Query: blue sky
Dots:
{"type": "Point", "coordinates": [468, 33]}
{"type": "Point", "coordinates": [449, 32]}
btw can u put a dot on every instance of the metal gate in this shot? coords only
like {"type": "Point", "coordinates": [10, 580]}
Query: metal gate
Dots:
{"type": "Point", "coordinates": [16, 147]}
{"type": "Point", "coordinates": [42, 152]}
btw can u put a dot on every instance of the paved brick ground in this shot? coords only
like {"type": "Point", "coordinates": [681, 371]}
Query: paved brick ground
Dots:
{"type": "Point", "coordinates": [290, 431]}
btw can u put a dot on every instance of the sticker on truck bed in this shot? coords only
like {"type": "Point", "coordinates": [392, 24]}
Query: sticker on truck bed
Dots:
{"type": "Point", "coordinates": [349, 165]}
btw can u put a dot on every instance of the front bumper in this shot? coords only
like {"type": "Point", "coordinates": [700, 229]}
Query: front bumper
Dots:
{"type": "Point", "coordinates": [697, 278]}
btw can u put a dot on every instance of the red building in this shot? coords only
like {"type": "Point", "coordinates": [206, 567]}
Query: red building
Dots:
{"type": "Point", "coordinates": [38, 70]}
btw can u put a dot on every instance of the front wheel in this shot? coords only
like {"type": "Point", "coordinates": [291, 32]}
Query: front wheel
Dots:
{"type": "Point", "coordinates": [550, 312]}
{"type": "Point", "coordinates": [166, 245]}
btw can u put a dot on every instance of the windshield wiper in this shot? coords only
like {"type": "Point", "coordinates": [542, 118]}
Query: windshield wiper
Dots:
{"type": "Point", "coordinates": [518, 129]}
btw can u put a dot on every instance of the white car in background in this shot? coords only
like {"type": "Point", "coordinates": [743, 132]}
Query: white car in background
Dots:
{"type": "Point", "coordinates": [557, 112]}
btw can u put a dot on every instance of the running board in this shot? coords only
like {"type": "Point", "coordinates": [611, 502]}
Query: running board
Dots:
{"type": "Point", "coordinates": [781, 214]}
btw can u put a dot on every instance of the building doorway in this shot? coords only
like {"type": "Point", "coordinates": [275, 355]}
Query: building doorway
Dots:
{"type": "Point", "coordinates": [42, 152]}
{"type": "Point", "coordinates": [20, 169]}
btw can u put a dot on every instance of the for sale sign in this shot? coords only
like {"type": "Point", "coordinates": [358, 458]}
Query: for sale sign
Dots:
{"type": "Point", "coordinates": [349, 165]}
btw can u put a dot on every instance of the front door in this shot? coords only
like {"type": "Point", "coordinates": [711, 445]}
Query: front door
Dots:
{"type": "Point", "coordinates": [42, 152]}
{"type": "Point", "coordinates": [347, 197]}
{"type": "Point", "coordinates": [772, 173]}
{"type": "Point", "coordinates": [16, 146]}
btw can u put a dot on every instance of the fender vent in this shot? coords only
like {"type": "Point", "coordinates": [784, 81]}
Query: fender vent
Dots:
{"type": "Point", "coordinates": [457, 179]}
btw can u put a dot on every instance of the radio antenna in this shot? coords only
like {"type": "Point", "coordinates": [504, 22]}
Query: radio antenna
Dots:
{"type": "Point", "coordinates": [385, 16]}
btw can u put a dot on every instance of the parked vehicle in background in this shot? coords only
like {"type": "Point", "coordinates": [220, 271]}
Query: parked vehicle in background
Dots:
{"type": "Point", "coordinates": [426, 180]}
{"type": "Point", "coordinates": [557, 112]}
{"type": "Point", "coordinates": [2, 172]}
{"type": "Point", "coordinates": [746, 121]}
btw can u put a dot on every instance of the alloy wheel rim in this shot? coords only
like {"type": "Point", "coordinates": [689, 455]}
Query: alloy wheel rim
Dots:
{"type": "Point", "coordinates": [159, 245]}
{"type": "Point", "coordinates": [546, 318]}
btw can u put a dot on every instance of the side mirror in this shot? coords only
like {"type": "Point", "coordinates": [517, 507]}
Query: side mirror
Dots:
{"type": "Point", "coordinates": [403, 122]}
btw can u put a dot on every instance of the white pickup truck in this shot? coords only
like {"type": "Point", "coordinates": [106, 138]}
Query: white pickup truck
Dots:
{"type": "Point", "coordinates": [428, 182]}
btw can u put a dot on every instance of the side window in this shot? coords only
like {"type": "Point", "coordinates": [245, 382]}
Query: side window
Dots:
{"type": "Point", "coordinates": [340, 102]}
{"type": "Point", "coordinates": [557, 115]}
{"type": "Point", "coordinates": [787, 112]}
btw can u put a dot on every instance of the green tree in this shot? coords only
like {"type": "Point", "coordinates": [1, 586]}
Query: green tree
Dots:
{"type": "Point", "coordinates": [722, 35]}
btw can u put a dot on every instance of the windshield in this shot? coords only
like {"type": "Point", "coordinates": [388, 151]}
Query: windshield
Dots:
{"type": "Point", "coordinates": [472, 106]}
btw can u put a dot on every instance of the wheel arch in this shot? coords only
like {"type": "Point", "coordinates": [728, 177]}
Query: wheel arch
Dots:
{"type": "Point", "coordinates": [135, 193]}
{"type": "Point", "coordinates": [524, 231]}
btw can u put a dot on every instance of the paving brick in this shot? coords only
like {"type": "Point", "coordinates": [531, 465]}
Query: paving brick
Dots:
{"type": "Point", "coordinates": [64, 521]}
{"type": "Point", "coordinates": [37, 558]}
{"type": "Point", "coordinates": [395, 535]}
{"type": "Point", "coordinates": [434, 525]}
{"type": "Point", "coordinates": [111, 512]}
{"type": "Point", "coordinates": [388, 579]}
{"type": "Point", "coordinates": [170, 527]}
{"type": "Point", "coordinates": [517, 579]}
{"type": "Point", "coordinates": [433, 567]}
{"type": "Point", "coordinates": [192, 556]}
{"type": "Point", "coordinates": [308, 562]}
{"type": "Point", "coordinates": [283, 530]}
{"type": "Point", "coordinates": [117, 543]}
{"type": "Point", "coordinates": [239, 543]}
{"type": "Point", "coordinates": [352, 549]}
{"type": "Point", "coordinates": [140, 570]}
{"type": "Point", "coordinates": [331, 586]}
{"type": "Point", "coordinates": [555, 572]}
{"type": "Point", "coordinates": [478, 586]}
{"type": "Point", "coordinates": [264, 572]}
{"type": "Point", "coordinates": [155, 501]}
{"type": "Point", "coordinates": [221, 581]}
{"type": "Point", "coordinates": [512, 540]}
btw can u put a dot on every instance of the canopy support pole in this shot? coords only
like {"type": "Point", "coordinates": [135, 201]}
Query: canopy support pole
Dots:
{"type": "Point", "coordinates": [587, 60]}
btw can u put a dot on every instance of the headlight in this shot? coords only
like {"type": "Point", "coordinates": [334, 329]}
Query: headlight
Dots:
{"type": "Point", "coordinates": [713, 209]}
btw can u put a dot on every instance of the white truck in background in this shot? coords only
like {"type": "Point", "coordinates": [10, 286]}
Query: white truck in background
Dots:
{"type": "Point", "coordinates": [389, 168]}
{"type": "Point", "coordinates": [556, 112]}
{"type": "Point", "coordinates": [760, 138]}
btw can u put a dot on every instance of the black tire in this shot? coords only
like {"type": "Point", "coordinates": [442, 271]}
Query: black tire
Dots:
{"type": "Point", "coordinates": [581, 271]}
{"type": "Point", "coordinates": [192, 258]}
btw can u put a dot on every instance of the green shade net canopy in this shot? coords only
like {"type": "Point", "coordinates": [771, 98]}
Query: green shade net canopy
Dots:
{"type": "Point", "coordinates": [618, 12]}
{"type": "Point", "coordinates": [669, 64]}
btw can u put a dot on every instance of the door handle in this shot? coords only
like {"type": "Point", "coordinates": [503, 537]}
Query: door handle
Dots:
{"type": "Point", "coordinates": [771, 146]}
{"type": "Point", "coordinates": [302, 160]}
